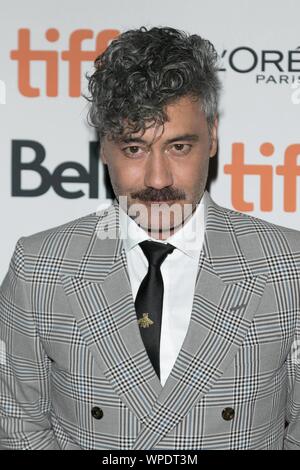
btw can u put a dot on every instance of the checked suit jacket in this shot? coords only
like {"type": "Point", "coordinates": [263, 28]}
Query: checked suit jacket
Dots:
{"type": "Point", "coordinates": [74, 370]}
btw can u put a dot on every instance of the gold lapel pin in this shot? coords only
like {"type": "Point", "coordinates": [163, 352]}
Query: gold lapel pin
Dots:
{"type": "Point", "coordinates": [145, 321]}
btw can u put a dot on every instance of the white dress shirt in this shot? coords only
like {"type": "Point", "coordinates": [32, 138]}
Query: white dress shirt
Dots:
{"type": "Point", "coordinates": [178, 270]}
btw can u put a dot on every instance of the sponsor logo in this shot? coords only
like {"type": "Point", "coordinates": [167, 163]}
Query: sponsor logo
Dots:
{"type": "Point", "coordinates": [24, 55]}
{"type": "Point", "coordinates": [268, 66]}
{"type": "Point", "coordinates": [57, 179]}
{"type": "Point", "coordinates": [289, 170]}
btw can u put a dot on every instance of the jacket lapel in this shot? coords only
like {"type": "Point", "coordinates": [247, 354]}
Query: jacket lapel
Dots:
{"type": "Point", "coordinates": [101, 299]}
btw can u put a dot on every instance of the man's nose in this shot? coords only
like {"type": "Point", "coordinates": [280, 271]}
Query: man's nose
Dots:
{"type": "Point", "coordinates": [158, 172]}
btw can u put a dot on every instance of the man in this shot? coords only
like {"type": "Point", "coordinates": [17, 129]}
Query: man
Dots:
{"type": "Point", "coordinates": [165, 321]}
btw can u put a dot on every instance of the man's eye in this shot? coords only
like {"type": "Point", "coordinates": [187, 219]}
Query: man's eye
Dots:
{"type": "Point", "coordinates": [132, 150]}
{"type": "Point", "coordinates": [181, 148]}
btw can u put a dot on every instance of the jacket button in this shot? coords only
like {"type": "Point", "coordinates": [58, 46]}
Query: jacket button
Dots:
{"type": "Point", "coordinates": [97, 413]}
{"type": "Point", "coordinates": [228, 414]}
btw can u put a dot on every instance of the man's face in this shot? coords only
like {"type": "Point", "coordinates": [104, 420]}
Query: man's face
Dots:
{"type": "Point", "coordinates": [163, 172]}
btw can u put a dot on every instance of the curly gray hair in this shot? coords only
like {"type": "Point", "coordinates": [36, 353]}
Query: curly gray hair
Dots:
{"type": "Point", "coordinates": [142, 71]}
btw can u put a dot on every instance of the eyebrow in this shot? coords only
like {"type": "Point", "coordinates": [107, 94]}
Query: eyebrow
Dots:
{"type": "Point", "coordinates": [188, 137]}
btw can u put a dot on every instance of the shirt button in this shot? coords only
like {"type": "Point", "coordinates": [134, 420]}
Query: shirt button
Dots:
{"type": "Point", "coordinates": [228, 414]}
{"type": "Point", "coordinates": [97, 413]}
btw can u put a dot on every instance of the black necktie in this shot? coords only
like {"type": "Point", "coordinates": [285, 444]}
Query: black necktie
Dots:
{"type": "Point", "coordinates": [149, 299]}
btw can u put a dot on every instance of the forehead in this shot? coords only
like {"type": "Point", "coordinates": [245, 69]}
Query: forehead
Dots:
{"type": "Point", "coordinates": [185, 116]}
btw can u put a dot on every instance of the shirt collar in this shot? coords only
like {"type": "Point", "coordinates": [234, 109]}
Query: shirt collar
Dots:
{"type": "Point", "coordinates": [187, 239]}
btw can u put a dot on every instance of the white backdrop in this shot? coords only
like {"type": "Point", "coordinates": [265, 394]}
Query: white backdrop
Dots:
{"type": "Point", "coordinates": [260, 47]}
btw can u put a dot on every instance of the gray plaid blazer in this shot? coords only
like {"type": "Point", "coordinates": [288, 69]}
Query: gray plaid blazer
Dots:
{"type": "Point", "coordinates": [71, 351]}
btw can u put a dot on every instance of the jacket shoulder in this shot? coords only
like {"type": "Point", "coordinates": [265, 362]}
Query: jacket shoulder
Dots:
{"type": "Point", "coordinates": [246, 225]}
{"type": "Point", "coordinates": [77, 231]}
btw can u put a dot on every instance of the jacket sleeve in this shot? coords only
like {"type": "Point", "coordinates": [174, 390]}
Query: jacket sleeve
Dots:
{"type": "Point", "coordinates": [24, 366]}
{"type": "Point", "coordinates": [292, 431]}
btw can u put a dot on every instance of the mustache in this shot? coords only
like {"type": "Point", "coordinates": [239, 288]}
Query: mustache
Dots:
{"type": "Point", "coordinates": [165, 194]}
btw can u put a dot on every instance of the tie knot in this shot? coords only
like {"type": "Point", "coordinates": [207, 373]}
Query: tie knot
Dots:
{"type": "Point", "coordinates": [156, 252]}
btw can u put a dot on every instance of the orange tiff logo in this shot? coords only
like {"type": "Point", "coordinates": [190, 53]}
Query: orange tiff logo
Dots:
{"type": "Point", "coordinates": [289, 170]}
{"type": "Point", "coordinates": [24, 55]}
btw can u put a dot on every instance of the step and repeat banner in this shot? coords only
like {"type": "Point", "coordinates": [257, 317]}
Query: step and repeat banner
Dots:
{"type": "Point", "coordinates": [50, 170]}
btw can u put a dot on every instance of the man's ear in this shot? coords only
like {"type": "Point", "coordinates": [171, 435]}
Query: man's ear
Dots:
{"type": "Point", "coordinates": [214, 138]}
